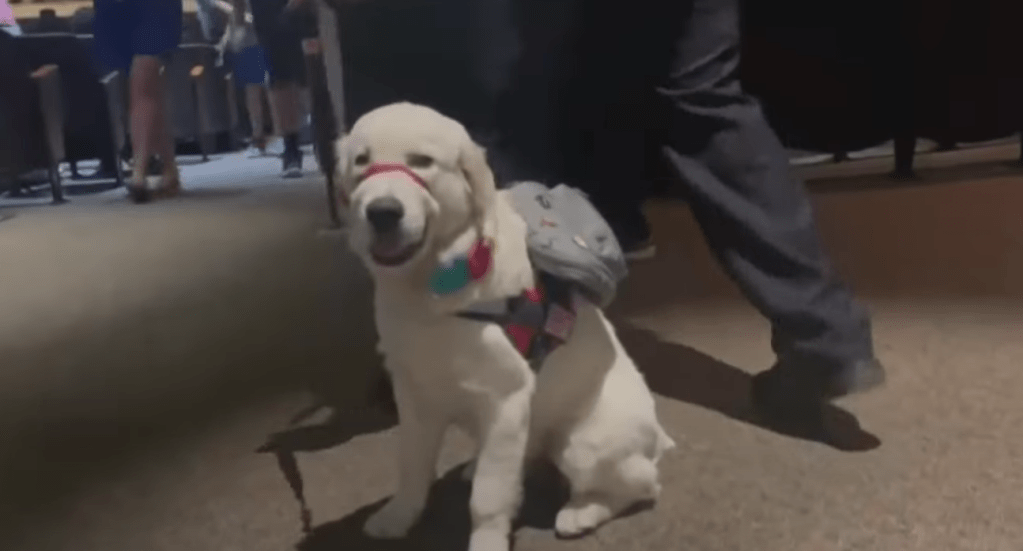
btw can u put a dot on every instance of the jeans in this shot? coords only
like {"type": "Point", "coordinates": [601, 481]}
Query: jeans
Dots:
{"type": "Point", "coordinates": [754, 213]}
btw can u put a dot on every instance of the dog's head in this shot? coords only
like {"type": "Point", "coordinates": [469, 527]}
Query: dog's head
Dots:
{"type": "Point", "coordinates": [414, 183]}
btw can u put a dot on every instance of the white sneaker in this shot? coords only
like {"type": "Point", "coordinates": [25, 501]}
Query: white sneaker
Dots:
{"type": "Point", "coordinates": [254, 152]}
{"type": "Point", "coordinates": [275, 147]}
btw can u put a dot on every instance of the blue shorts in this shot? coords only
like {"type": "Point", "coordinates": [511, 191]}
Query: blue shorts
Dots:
{"type": "Point", "coordinates": [281, 33]}
{"type": "Point", "coordinates": [249, 66]}
{"type": "Point", "coordinates": [124, 29]}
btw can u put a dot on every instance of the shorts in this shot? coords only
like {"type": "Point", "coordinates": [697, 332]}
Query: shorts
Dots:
{"type": "Point", "coordinates": [281, 36]}
{"type": "Point", "coordinates": [249, 66]}
{"type": "Point", "coordinates": [123, 29]}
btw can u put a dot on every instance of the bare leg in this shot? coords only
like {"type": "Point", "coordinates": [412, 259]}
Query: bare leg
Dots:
{"type": "Point", "coordinates": [286, 103]}
{"type": "Point", "coordinates": [254, 103]}
{"type": "Point", "coordinates": [171, 183]}
{"type": "Point", "coordinates": [145, 106]}
{"type": "Point", "coordinates": [149, 132]}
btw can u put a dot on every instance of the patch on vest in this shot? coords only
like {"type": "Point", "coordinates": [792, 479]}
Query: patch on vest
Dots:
{"type": "Point", "coordinates": [537, 321]}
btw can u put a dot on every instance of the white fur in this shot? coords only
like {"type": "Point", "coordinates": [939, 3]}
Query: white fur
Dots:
{"type": "Point", "coordinates": [588, 410]}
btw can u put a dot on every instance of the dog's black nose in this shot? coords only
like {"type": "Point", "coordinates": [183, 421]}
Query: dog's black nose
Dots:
{"type": "Point", "coordinates": [384, 214]}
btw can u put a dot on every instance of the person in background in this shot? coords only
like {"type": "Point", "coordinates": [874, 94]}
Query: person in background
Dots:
{"type": "Point", "coordinates": [212, 19]}
{"type": "Point", "coordinates": [248, 63]}
{"type": "Point", "coordinates": [134, 36]}
{"type": "Point", "coordinates": [280, 31]}
{"type": "Point", "coordinates": [8, 23]}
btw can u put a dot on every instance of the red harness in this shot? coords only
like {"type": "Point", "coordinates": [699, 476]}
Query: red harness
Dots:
{"type": "Point", "coordinates": [537, 321]}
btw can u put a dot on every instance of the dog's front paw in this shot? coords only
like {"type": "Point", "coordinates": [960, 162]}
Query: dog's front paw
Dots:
{"type": "Point", "coordinates": [488, 539]}
{"type": "Point", "coordinates": [393, 521]}
{"type": "Point", "coordinates": [578, 520]}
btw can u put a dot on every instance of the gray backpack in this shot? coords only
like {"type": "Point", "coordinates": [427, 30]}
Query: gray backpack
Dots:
{"type": "Point", "coordinates": [570, 240]}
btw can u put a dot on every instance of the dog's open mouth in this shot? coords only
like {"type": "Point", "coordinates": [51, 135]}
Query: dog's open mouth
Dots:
{"type": "Point", "coordinates": [387, 252]}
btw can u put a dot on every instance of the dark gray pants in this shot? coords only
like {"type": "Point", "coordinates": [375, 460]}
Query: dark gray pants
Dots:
{"type": "Point", "coordinates": [755, 214]}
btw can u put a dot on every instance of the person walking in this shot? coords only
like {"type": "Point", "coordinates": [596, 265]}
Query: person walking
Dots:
{"type": "Point", "coordinates": [280, 29]}
{"type": "Point", "coordinates": [134, 36]}
{"type": "Point", "coordinates": [754, 213]}
{"type": "Point", "coordinates": [247, 60]}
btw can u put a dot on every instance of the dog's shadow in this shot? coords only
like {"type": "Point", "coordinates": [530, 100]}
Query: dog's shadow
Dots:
{"type": "Point", "coordinates": [672, 370]}
{"type": "Point", "coordinates": [682, 373]}
{"type": "Point", "coordinates": [445, 523]}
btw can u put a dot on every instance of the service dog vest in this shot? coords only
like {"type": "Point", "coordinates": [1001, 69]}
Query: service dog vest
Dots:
{"type": "Point", "coordinates": [537, 321]}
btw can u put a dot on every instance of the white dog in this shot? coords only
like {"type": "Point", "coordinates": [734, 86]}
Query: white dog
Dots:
{"type": "Point", "coordinates": [420, 193]}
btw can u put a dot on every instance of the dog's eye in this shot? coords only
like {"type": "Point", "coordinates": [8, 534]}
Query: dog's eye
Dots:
{"type": "Point", "coordinates": [418, 160]}
{"type": "Point", "coordinates": [361, 159]}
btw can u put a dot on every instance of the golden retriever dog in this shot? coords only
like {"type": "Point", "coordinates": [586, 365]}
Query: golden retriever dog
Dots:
{"type": "Point", "coordinates": [421, 198]}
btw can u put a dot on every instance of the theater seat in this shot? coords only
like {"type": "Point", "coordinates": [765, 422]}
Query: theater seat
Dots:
{"type": "Point", "coordinates": [31, 119]}
{"type": "Point", "coordinates": [197, 96]}
{"type": "Point", "coordinates": [88, 130]}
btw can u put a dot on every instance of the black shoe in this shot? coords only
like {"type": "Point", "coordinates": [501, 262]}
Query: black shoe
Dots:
{"type": "Point", "coordinates": [803, 383]}
{"type": "Point", "coordinates": [794, 400]}
{"type": "Point", "coordinates": [292, 165]}
{"type": "Point", "coordinates": [139, 194]}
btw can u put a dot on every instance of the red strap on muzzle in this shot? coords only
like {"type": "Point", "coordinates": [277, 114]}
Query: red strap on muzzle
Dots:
{"type": "Point", "coordinates": [383, 168]}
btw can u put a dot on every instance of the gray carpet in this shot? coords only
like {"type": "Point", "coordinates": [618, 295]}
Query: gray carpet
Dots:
{"type": "Point", "coordinates": [148, 351]}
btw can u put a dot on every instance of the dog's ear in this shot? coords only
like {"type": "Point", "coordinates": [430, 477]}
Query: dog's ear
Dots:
{"type": "Point", "coordinates": [473, 160]}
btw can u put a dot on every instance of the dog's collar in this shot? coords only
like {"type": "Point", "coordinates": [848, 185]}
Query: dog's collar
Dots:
{"type": "Point", "coordinates": [455, 274]}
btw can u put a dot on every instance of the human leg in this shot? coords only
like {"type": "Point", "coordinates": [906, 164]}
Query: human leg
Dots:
{"type": "Point", "coordinates": [254, 104]}
{"type": "Point", "coordinates": [145, 112]}
{"type": "Point", "coordinates": [286, 64]}
{"type": "Point", "coordinates": [155, 28]}
{"type": "Point", "coordinates": [757, 217]}
{"type": "Point", "coordinates": [249, 68]}
{"type": "Point", "coordinates": [285, 97]}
